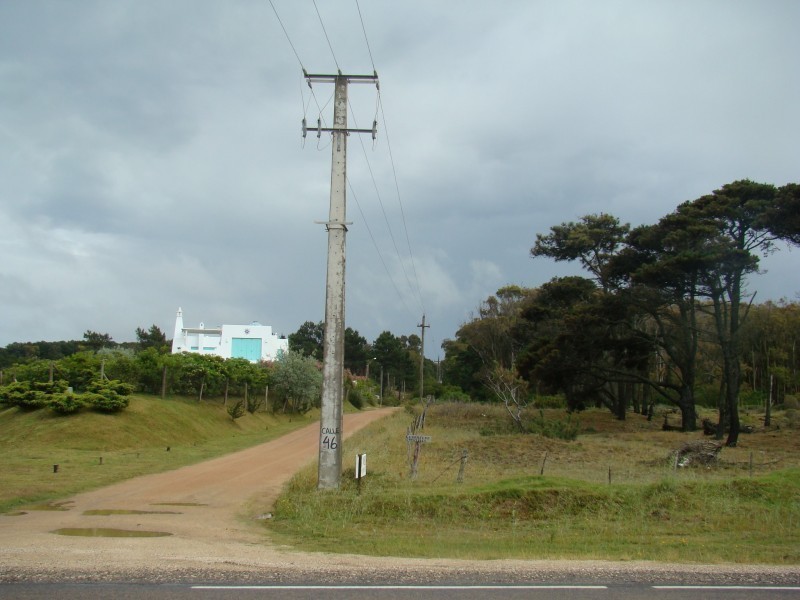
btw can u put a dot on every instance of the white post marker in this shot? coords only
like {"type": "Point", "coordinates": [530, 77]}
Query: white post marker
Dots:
{"type": "Point", "coordinates": [361, 469]}
{"type": "Point", "coordinates": [361, 466]}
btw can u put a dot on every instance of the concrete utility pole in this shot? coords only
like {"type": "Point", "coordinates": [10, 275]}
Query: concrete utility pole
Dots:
{"type": "Point", "coordinates": [422, 358]}
{"type": "Point", "coordinates": [330, 425]}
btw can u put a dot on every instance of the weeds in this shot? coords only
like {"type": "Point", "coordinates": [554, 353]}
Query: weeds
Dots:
{"type": "Point", "coordinates": [505, 509]}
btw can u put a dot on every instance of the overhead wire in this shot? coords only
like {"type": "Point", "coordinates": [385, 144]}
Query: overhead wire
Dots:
{"type": "Point", "coordinates": [383, 209]}
{"type": "Point", "coordinates": [366, 39]}
{"type": "Point", "coordinates": [375, 244]}
{"type": "Point", "coordinates": [286, 33]}
{"type": "Point", "coordinates": [303, 68]}
{"type": "Point", "coordinates": [379, 104]}
{"type": "Point", "coordinates": [400, 203]}
{"type": "Point", "coordinates": [325, 31]}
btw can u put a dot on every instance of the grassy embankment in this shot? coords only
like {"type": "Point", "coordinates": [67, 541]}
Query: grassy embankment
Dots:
{"type": "Point", "coordinates": [131, 443]}
{"type": "Point", "coordinates": [505, 509]}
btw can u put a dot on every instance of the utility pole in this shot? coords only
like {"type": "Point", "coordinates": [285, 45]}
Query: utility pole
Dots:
{"type": "Point", "coordinates": [422, 358]}
{"type": "Point", "coordinates": [330, 424]}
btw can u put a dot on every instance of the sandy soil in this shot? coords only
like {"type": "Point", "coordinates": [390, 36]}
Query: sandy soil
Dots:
{"type": "Point", "coordinates": [214, 538]}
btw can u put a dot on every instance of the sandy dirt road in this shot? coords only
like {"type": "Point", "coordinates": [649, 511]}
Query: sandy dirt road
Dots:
{"type": "Point", "coordinates": [215, 535]}
{"type": "Point", "coordinates": [203, 507]}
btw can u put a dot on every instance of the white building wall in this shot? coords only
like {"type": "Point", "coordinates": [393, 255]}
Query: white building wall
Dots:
{"type": "Point", "coordinates": [219, 341]}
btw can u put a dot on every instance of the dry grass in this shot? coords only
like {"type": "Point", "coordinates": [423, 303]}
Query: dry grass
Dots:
{"type": "Point", "coordinates": [504, 508]}
{"type": "Point", "coordinates": [131, 443]}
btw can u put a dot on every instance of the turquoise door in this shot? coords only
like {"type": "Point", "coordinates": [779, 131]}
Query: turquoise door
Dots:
{"type": "Point", "coordinates": [249, 348]}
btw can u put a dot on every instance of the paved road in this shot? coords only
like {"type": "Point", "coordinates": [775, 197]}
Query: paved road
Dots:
{"type": "Point", "coordinates": [449, 592]}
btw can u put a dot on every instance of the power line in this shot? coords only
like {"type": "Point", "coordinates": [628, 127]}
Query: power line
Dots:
{"type": "Point", "coordinates": [288, 39]}
{"type": "Point", "coordinates": [326, 37]}
{"type": "Point", "coordinates": [383, 209]}
{"type": "Point", "coordinates": [374, 243]}
{"type": "Point", "coordinates": [366, 39]}
{"type": "Point", "coordinates": [400, 202]}
{"type": "Point", "coordinates": [297, 55]}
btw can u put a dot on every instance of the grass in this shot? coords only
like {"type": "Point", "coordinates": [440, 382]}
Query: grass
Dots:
{"type": "Point", "coordinates": [610, 494]}
{"type": "Point", "coordinates": [151, 435]}
{"type": "Point", "coordinates": [505, 509]}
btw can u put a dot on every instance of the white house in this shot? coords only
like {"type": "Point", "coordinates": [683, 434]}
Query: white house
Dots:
{"type": "Point", "coordinates": [255, 342]}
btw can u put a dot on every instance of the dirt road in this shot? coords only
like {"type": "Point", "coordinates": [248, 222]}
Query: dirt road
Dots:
{"type": "Point", "coordinates": [203, 507]}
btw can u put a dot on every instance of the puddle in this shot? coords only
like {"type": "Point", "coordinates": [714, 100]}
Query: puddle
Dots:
{"type": "Point", "coordinates": [107, 532]}
{"type": "Point", "coordinates": [177, 504]}
{"type": "Point", "coordinates": [51, 506]}
{"type": "Point", "coordinates": [122, 511]}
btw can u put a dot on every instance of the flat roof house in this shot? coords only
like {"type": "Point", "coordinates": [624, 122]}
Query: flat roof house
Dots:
{"type": "Point", "coordinates": [255, 341]}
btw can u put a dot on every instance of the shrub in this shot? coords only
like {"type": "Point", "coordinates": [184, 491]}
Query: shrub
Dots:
{"type": "Point", "coordinates": [791, 401]}
{"type": "Point", "coordinates": [236, 410]}
{"type": "Point", "coordinates": [550, 402]}
{"type": "Point", "coordinates": [452, 393]}
{"type": "Point", "coordinates": [50, 387]}
{"type": "Point", "coordinates": [66, 403]}
{"type": "Point", "coordinates": [254, 402]}
{"type": "Point", "coordinates": [108, 396]}
{"type": "Point", "coordinates": [21, 394]}
{"type": "Point", "coordinates": [11, 392]}
{"type": "Point", "coordinates": [554, 428]}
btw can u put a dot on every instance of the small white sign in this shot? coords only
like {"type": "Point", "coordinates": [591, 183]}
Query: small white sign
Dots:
{"type": "Point", "coordinates": [418, 438]}
{"type": "Point", "coordinates": [361, 466]}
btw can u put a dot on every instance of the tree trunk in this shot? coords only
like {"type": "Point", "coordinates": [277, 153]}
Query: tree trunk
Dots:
{"type": "Point", "coordinates": [688, 410]}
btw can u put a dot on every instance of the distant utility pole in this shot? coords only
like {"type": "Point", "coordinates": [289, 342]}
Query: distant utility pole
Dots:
{"type": "Point", "coordinates": [330, 424]}
{"type": "Point", "coordinates": [422, 358]}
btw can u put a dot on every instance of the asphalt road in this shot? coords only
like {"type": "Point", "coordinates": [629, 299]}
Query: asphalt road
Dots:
{"type": "Point", "coordinates": [32, 591]}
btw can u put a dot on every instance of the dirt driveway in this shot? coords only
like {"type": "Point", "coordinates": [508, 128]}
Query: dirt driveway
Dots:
{"type": "Point", "coordinates": [204, 508]}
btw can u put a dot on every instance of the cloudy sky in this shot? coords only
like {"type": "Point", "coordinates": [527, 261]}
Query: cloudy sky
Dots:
{"type": "Point", "coordinates": [151, 154]}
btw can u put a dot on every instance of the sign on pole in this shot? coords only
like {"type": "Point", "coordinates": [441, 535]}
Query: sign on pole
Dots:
{"type": "Point", "coordinates": [361, 466]}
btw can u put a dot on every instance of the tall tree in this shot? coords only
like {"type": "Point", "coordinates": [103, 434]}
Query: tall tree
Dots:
{"type": "Point", "coordinates": [95, 341]}
{"type": "Point", "coordinates": [592, 241]}
{"type": "Point", "coordinates": [307, 340]}
{"type": "Point", "coordinates": [151, 338]}
{"type": "Point", "coordinates": [490, 333]}
{"type": "Point", "coordinates": [741, 215]}
{"type": "Point", "coordinates": [390, 353]}
{"type": "Point", "coordinates": [663, 264]}
{"type": "Point", "coordinates": [356, 351]}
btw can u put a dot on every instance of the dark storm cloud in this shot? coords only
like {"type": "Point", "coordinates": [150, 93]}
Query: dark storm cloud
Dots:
{"type": "Point", "coordinates": [155, 148]}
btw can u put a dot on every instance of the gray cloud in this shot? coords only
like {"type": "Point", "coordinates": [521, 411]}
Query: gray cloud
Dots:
{"type": "Point", "coordinates": [150, 153]}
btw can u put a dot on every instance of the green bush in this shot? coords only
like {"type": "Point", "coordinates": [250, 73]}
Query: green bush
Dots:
{"type": "Point", "coordinates": [50, 387]}
{"type": "Point", "coordinates": [22, 395]}
{"type": "Point", "coordinates": [355, 396]}
{"type": "Point", "coordinates": [10, 393]}
{"type": "Point", "coordinates": [452, 393]}
{"type": "Point", "coordinates": [254, 402]}
{"type": "Point", "coordinates": [554, 428]}
{"type": "Point", "coordinates": [108, 396]}
{"type": "Point", "coordinates": [236, 410]}
{"type": "Point", "coordinates": [751, 398]}
{"type": "Point", "coordinates": [66, 403]}
{"type": "Point", "coordinates": [550, 402]}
